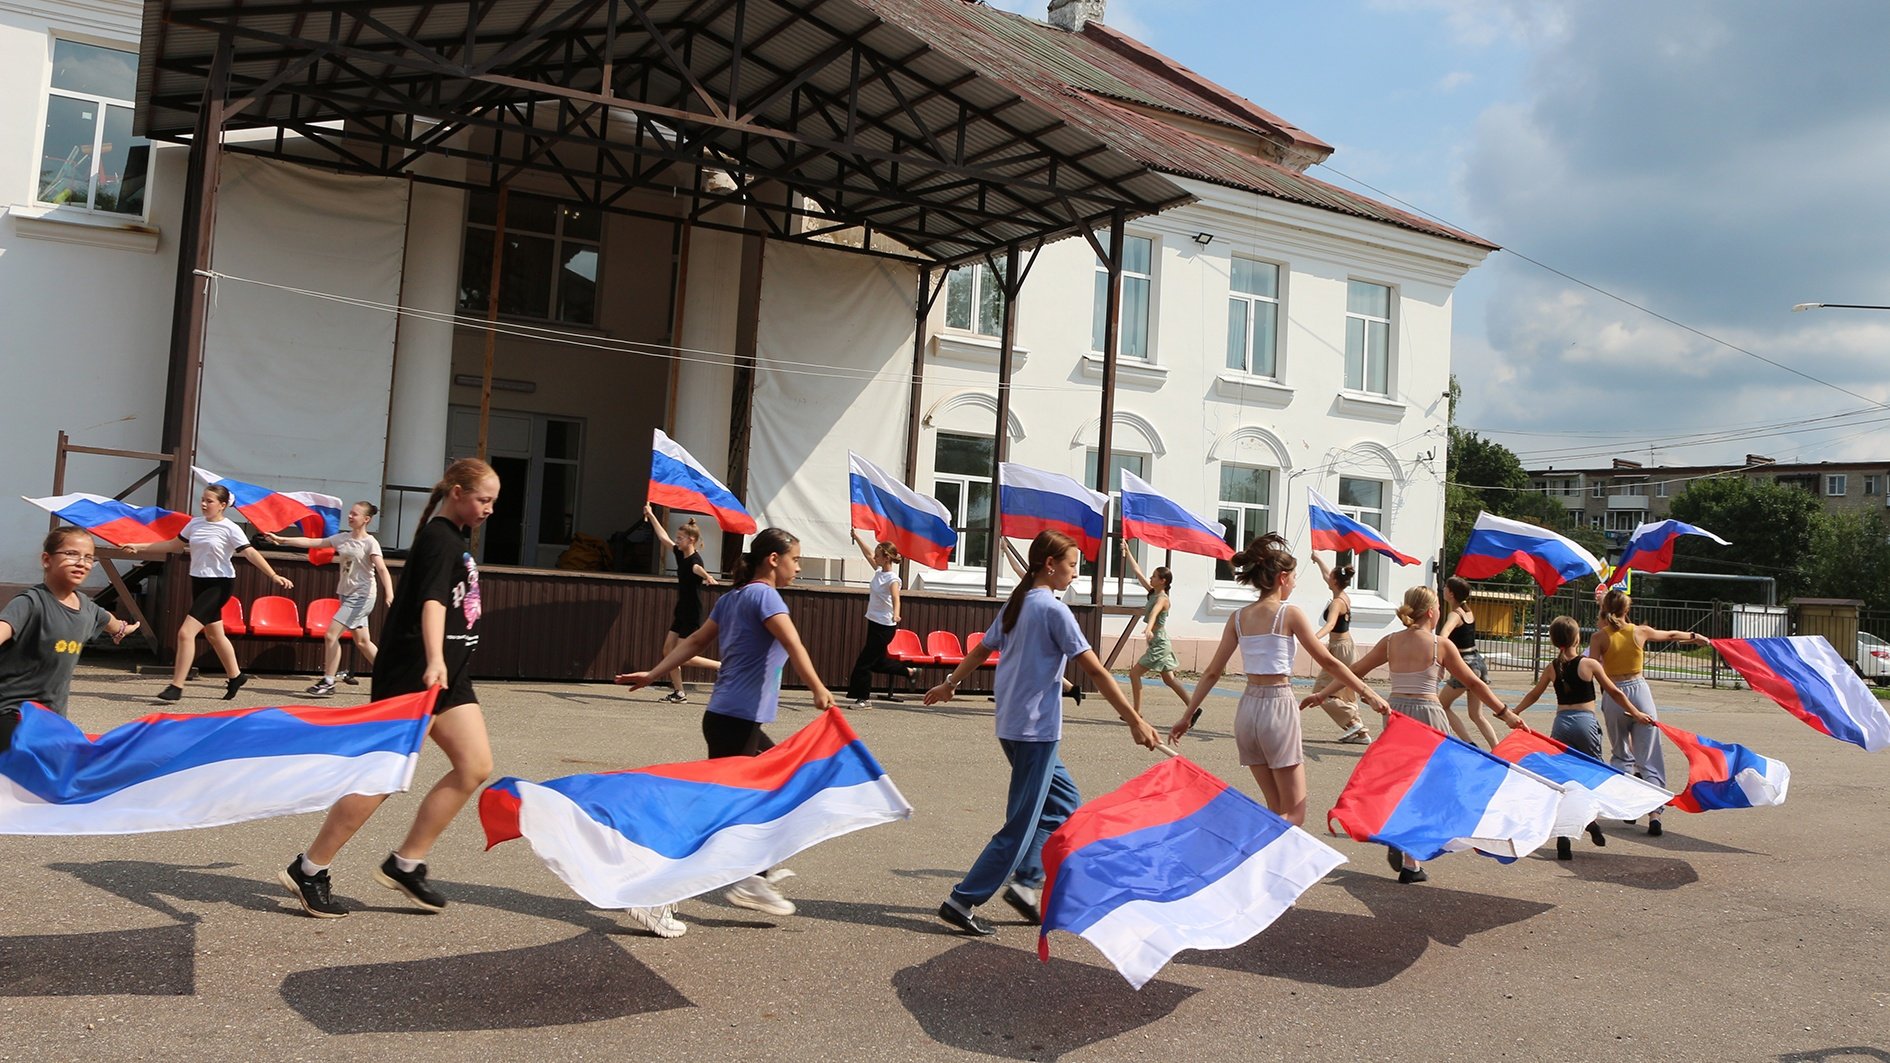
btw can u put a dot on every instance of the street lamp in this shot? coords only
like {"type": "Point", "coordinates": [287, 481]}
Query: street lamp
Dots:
{"type": "Point", "coordinates": [1837, 306]}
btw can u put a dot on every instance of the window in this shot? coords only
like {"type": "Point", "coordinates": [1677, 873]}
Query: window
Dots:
{"type": "Point", "coordinates": [1835, 483]}
{"type": "Point", "coordinates": [974, 299]}
{"type": "Point", "coordinates": [1364, 501]}
{"type": "Point", "coordinates": [1253, 314]}
{"type": "Point", "coordinates": [1870, 485]}
{"type": "Point", "coordinates": [88, 158]}
{"type": "Point", "coordinates": [1368, 338]}
{"type": "Point", "coordinates": [560, 453]}
{"type": "Point", "coordinates": [1660, 489]}
{"type": "Point", "coordinates": [1600, 491]}
{"type": "Point", "coordinates": [1595, 521]}
{"type": "Point", "coordinates": [1625, 520]}
{"type": "Point", "coordinates": [1246, 509]}
{"type": "Point", "coordinates": [961, 480]}
{"type": "Point", "coordinates": [1112, 549]}
{"type": "Point", "coordinates": [549, 269]}
{"type": "Point", "coordinates": [1138, 279]}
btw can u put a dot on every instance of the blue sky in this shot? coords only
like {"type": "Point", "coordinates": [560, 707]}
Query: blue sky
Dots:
{"type": "Point", "coordinates": [1715, 161]}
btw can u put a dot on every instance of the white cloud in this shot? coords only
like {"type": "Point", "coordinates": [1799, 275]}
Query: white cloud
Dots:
{"type": "Point", "coordinates": [1455, 80]}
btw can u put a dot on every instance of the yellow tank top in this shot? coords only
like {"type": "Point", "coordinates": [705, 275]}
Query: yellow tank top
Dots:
{"type": "Point", "coordinates": [1622, 656]}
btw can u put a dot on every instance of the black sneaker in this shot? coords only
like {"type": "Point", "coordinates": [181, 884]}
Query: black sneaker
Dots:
{"type": "Point", "coordinates": [1653, 828]}
{"type": "Point", "coordinates": [1595, 835]}
{"type": "Point", "coordinates": [322, 688]}
{"type": "Point", "coordinates": [310, 891]}
{"type": "Point", "coordinates": [234, 684]}
{"type": "Point", "coordinates": [412, 883]}
{"type": "Point", "coordinates": [171, 693]}
{"type": "Point", "coordinates": [1394, 858]}
{"type": "Point", "coordinates": [1564, 849]}
{"type": "Point", "coordinates": [962, 918]}
{"type": "Point", "coordinates": [1409, 875]}
{"type": "Point", "coordinates": [345, 676]}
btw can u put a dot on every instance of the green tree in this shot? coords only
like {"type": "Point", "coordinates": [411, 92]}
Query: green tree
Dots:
{"type": "Point", "coordinates": [1772, 529]}
{"type": "Point", "coordinates": [1848, 557]}
{"type": "Point", "coordinates": [1486, 475]}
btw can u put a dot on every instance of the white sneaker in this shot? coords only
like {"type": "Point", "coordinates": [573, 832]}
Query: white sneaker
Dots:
{"type": "Point", "coordinates": [659, 921]}
{"type": "Point", "coordinates": [862, 703]}
{"type": "Point", "coordinates": [778, 875]}
{"type": "Point", "coordinates": [759, 894]}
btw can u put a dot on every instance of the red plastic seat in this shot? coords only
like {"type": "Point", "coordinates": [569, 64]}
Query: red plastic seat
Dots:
{"type": "Point", "coordinates": [274, 616]}
{"type": "Point", "coordinates": [233, 618]}
{"type": "Point", "coordinates": [321, 613]}
{"type": "Point", "coordinates": [976, 639]}
{"type": "Point", "coordinates": [905, 647]}
{"type": "Point", "coordinates": [944, 647]}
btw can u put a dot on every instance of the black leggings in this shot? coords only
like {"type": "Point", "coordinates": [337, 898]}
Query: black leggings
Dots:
{"type": "Point", "coordinates": [732, 736]}
{"type": "Point", "coordinates": [872, 659]}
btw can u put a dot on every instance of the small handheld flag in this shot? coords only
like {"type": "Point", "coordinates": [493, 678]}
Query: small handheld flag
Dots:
{"type": "Point", "coordinates": [1333, 530]}
{"type": "Point", "coordinates": [679, 481]}
{"type": "Point", "coordinates": [1032, 501]}
{"type": "Point", "coordinates": [268, 510]}
{"type": "Point", "coordinates": [325, 522]}
{"type": "Point", "coordinates": [1496, 543]}
{"type": "Point", "coordinates": [1650, 549]}
{"type": "Point", "coordinates": [920, 526]}
{"type": "Point", "coordinates": [1724, 775]}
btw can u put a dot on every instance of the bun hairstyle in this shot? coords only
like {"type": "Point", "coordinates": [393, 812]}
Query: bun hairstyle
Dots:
{"type": "Point", "coordinates": [1564, 632]}
{"type": "Point", "coordinates": [691, 529]}
{"type": "Point", "coordinates": [1168, 578]}
{"type": "Point", "coordinates": [766, 541]}
{"type": "Point", "coordinates": [1614, 610]}
{"type": "Point", "coordinates": [1263, 562]}
{"type": "Point", "coordinates": [1045, 548]}
{"type": "Point", "coordinates": [372, 509]}
{"type": "Point", "coordinates": [1342, 576]}
{"type": "Point", "coordinates": [887, 552]}
{"type": "Point", "coordinates": [60, 536]}
{"type": "Point", "coordinates": [466, 474]}
{"type": "Point", "coordinates": [218, 492]}
{"type": "Point", "coordinates": [1459, 589]}
{"type": "Point", "coordinates": [1418, 603]}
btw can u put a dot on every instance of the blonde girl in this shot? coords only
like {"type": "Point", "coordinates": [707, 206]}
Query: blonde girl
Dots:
{"type": "Point", "coordinates": [362, 567]}
{"type": "Point", "coordinates": [1620, 645]}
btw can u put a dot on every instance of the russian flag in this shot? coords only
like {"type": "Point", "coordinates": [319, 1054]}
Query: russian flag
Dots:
{"type": "Point", "coordinates": [1333, 530]}
{"type": "Point", "coordinates": [118, 523]}
{"type": "Point", "coordinates": [1650, 549]}
{"type": "Point", "coordinates": [1498, 542]}
{"type": "Point", "coordinates": [1421, 791]}
{"type": "Point", "coordinates": [266, 510]}
{"type": "Point", "coordinates": [1808, 679]}
{"type": "Point", "coordinates": [658, 835]}
{"type": "Point", "coordinates": [325, 522]}
{"type": "Point", "coordinates": [679, 481]}
{"type": "Point", "coordinates": [1590, 788]}
{"type": "Point", "coordinates": [172, 771]}
{"type": "Point", "coordinates": [1175, 859]}
{"type": "Point", "coordinates": [919, 526]}
{"type": "Point", "coordinates": [1158, 520]}
{"type": "Point", "coordinates": [1724, 775]}
{"type": "Point", "coordinates": [1032, 501]}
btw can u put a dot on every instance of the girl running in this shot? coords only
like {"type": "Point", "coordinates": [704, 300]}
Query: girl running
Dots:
{"type": "Point", "coordinates": [1160, 656]}
{"type": "Point", "coordinates": [1633, 743]}
{"type": "Point", "coordinates": [44, 627]}
{"type": "Point", "coordinates": [428, 640]}
{"type": "Point", "coordinates": [1337, 631]}
{"type": "Point", "coordinates": [1417, 660]}
{"type": "Point", "coordinates": [1266, 726]}
{"type": "Point", "coordinates": [213, 541]}
{"type": "Point", "coordinates": [1460, 627]}
{"type": "Point", "coordinates": [882, 621]}
{"type": "Point", "coordinates": [1576, 725]}
{"type": "Point", "coordinates": [359, 555]}
{"type": "Point", "coordinates": [691, 576]}
{"type": "Point", "coordinates": [757, 638]}
{"type": "Point", "coordinates": [1036, 637]}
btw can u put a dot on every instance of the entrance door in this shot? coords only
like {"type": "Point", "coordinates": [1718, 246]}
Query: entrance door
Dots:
{"type": "Point", "coordinates": [537, 459]}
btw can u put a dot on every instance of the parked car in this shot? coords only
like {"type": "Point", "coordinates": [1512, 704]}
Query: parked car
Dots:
{"type": "Point", "coordinates": [1873, 658]}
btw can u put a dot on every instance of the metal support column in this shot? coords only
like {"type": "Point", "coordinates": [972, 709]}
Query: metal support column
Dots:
{"type": "Point", "coordinates": [1012, 280]}
{"type": "Point", "coordinates": [1112, 343]}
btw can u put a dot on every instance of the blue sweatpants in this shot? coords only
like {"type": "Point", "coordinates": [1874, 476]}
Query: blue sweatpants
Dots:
{"type": "Point", "coordinates": [1042, 795]}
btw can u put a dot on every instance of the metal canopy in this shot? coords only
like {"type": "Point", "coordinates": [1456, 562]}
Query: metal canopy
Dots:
{"type": "Point", "coordinates": [826, 119]}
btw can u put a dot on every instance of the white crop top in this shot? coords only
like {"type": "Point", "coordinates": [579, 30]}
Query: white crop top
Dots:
{"type": "Point", "coordinates": [1268, 654]}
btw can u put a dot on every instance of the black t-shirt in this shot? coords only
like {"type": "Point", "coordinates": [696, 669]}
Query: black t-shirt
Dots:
{"type": "Point", "coordinates": [688, 584]}
{"type": "Point", "coordinates": [440, 569]}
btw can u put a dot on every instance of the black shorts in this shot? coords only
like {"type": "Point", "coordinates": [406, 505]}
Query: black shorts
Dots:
{"type": "Point", "coordinates": [392, 683]}
{"type": "Point", "coordinates": [732, 736]}
{"type": "Point", "coordinates": [9, 719]}
{"type": "Point", "coordinates": [687, 618]}
{"type": "Point", "coordinates": [208, 595]}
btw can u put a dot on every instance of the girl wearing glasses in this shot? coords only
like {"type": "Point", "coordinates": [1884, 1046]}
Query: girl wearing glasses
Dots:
{"type": "Point", "coordinates": [44, 627]}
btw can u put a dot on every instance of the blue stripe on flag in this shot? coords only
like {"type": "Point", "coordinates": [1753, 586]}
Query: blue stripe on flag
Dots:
{"type": "Point", "coordinates": [1051, 506]}
{"type": "Point", "coordinates": [1447, 800]}
{"type": "Point", "coordinates": [1498, 544]}
{"type": "Point", "coordinates": [1815, 695]}
{"type": "Point", "coordinates": [667, 470]}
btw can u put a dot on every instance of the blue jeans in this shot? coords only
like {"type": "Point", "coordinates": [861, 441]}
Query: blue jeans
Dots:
{"type": "Point", "coordinates": [1042, 795]}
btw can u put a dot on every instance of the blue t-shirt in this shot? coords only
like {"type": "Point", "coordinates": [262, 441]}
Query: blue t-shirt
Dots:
{"type": "Point", "coordinates": [749, 685]}
{"type": "Point", "coordinates": [1029, 685]}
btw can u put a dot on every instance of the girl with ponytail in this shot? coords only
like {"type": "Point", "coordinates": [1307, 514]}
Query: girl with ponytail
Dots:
{"type": "Point", "coordinates": [1633, 732]}
{"type": "Point", "coordinates": [882, 621]}
{"type": "Point", "coordinates": [1038, 637]}
{"type": "Point", "coordinates": [691, 575]}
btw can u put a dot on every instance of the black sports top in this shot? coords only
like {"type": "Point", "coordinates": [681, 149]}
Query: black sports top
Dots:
{"type": "Point", "coordinates": [1464, 635]}
{"type": "Point", "coordinates": [688, 584]}
{"type": "Point", "coordinates": [1343, 625]}
{"type": "Point", "coordinates": [1572, 689]}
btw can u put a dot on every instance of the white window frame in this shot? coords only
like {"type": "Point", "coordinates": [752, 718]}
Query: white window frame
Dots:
{"type": "Point", "coordinates": [1870, 484]}
{"type": "Point", "coordinates": [1253, 301]}
{"type": "Point", "coordinates": [1836, 484]}
{"type": "Point", "coordinates": [1660, 489]}
{"type": "Point", "coordinates": [1148, 309]}
{"type": "Point", "coordinates": [978, 275]}
{"type": "Point", "coordinates": [1370, 564]}
{"type": "Point", "coordinates": [961, 515]}
{"type": "Point", "coordinates": [1243, 531]}
{"type": "Point", "coordinates": [1364, 386]}
{"type": "Point", "coordinates": [98, 130]}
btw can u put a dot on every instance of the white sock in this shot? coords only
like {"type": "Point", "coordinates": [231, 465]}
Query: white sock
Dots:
{"type": "Point", "coordinates": [309, 867]}
{"type": "Point", "coordinates": [329, 679]}
{"type": "Point", "coordinates": [405, 864]}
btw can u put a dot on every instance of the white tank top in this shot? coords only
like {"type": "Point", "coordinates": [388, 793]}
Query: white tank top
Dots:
{"type": "Point", "coordinates": [1268, 654]}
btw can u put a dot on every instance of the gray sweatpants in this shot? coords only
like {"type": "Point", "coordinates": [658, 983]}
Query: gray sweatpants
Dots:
{"type": "Point", "coordinates": [1634, 748]}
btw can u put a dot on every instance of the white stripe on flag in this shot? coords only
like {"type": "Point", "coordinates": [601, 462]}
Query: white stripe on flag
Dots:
{"type": "Point", "coordinates": [1519, 818]}
{"type": "Point", "coordinates": [1768, 788]}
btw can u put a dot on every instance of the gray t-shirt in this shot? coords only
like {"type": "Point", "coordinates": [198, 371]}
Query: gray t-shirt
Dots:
{"type": "Point", "coordinates": [36, 664]}
{"type": "Point", "coordinates": [356, 558]}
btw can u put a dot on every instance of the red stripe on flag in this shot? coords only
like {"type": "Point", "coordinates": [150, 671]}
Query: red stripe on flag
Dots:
{"type": "Point", "coordinates": [1391, 764]}
{"type": "Point", "coordinates": [819, 740]}
{"type": "Point", "coordinates": [1739, 654]}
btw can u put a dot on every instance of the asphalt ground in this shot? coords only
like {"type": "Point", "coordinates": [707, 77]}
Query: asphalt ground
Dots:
{"type": "Point", "coordinates": [1739, 935]}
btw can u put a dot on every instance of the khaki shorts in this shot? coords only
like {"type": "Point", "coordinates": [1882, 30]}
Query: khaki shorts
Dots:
{"type": "Point", "coordinates": [1423, 710]}
{"type": "Point", "coordinates": [1266, 727]}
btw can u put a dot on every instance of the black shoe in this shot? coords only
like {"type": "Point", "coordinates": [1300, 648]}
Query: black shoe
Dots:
{"type": "Point", "coordinates": [412, 883]}
{"type": "Point", "coordinates": [962, 918]}
{"type": "Point", "coordinates": [1025, 899]}
{"type": "Point", "coordinates": [1595, 835]}
{"type": "Point", "coordinates": [1653, 828]}
{"type": "Point", "coordinates": [171, 693]}
{"type": "Point", "coordinates": [347, 677]}
{"type": "Point", "coordinates": [1394, 858]}
{"type": "Point", "coordinates": [310, 891]}
{"type": "Point", "coordinates": [1408, 875]}
{"type": "Point", "coordinates": [1563, 850]}
{"type": "Point", "coordinates": [234, 684]}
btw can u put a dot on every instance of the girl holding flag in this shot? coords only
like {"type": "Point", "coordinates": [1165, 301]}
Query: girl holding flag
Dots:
{"type": "Point", "coordinates": [1633, 732]}
{"type": "Point", "coordinates": [214, 541]}
{"type": "Point", "coordinates": [882, 621]}
{"type": "Point", "coordinates": [1337, 631]}
{"type": "Point", "coordinates": [1460, 627]}
{"type": "Point", "coordinates": [1266, 726]}
{"type": "Point", "coordinates": [1160, 656]}
{"type": "Point", "coordinates": [691, 576]}
{"type": "Point", "coordinates": [362, 565]}
{"type": "Point", "coordinates": [1036, 637]}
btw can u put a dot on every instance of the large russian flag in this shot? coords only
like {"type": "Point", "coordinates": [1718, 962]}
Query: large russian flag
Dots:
{"type": "Point", "coordinates": [1158, 520]}
{"type": "Point", "coordinates": [920, 526]}
{"type": "Point", "coordinates": [1175, 859]}
{"type": "Point", "coordinates": [1650, 549]}
{"type": "Point", "coordinates": [1032, 501]}
{"type": "Point", "coordinates": [178, 771]}
{"type": "Point", "coordinates": [118, 523]}
{"type": "Point", "coordinates": [1808, 679]}
{"type": "Point", "coordinates": [1421, 791]}
{"type": "Point", "coordinates": [1333, 530]}
{"type": "Point", "coordinates": [1724, 775]}
{"type": "Point", "coordinates": [1498, 542]}
{"type": "Point", "coordinates": [679, 481]}
{"type": "Point", "coordinates": [658, 835]}
{"type": "Point", "coordinates": [1590, 788]}
{"type": "Point", "coordinates": [326, 521]}
{"type": "Point", "coordinates": [267, 510]}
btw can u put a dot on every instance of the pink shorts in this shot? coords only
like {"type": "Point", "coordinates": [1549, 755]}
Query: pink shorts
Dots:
{"type": "Point", "coordinates": [1266, 727]}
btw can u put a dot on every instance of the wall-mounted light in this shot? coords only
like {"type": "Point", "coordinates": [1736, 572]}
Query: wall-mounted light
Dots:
{"type": "Point", "coordinates": [499, 383]}
{"type": "Point", "coordinates": [1204, 239]}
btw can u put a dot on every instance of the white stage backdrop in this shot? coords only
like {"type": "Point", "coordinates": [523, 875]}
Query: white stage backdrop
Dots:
{"type": "Point", "coordinates": [295, 388]}
{"type": "Point", "coordinates": [829, 321]}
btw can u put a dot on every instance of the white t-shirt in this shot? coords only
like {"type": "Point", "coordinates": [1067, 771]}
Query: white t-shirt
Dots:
{"type": "Point", "coordinates": [212, 544]}
{"type": "Point", "coordinates": [879, 603]}
{"type": "Point", "coordinates": [356, 558]}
